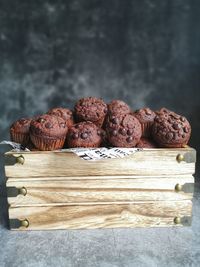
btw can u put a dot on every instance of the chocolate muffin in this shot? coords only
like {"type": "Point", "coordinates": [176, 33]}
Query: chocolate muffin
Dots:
{"type": "Point", "coordinates": [146, 118]}
{"type": "Point", "coordinates": [118, 107]}
{"type": "Point", "coordinates": [48, 132]}
{"type": "Point", "coordinates": [19, 131]}
{"type": "Point", "coordinates": [163, 111]}
{"type": "Point", "coordinates": [124, 130]}
{"type": "Point", "coordinates": [90, 109]}
{"type": "Point", "coordinates": [146, 143]}
{"type": "Point", "coordinates": [84, 134]}
{"type": "Point", "coordinates": [171, 130]}
{"type": "Point", "coordinates": [65, 113]}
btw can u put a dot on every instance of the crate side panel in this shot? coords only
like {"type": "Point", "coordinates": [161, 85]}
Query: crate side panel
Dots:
{"type": "Point", "coordinates": [155, 214]}
{"type": "Point", "coordinates": [99, 190]}
{"type": "Point", "coordinates": [146, 162]}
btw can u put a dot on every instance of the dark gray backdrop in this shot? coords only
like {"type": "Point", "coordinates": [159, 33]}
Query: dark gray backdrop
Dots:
{"type": "Point", "coordinates": [144, 52]}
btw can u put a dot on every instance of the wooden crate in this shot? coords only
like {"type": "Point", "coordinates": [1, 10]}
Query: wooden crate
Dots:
{"type": "Point", "coordinates": [59, 190]}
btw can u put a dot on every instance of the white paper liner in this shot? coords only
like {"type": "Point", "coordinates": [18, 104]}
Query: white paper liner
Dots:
{"type": "Point", "coordinates": [86, 153]}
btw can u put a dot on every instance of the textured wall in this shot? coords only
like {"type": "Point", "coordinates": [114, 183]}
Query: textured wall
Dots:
{"type": "Point", "coordinates": [53, 52]}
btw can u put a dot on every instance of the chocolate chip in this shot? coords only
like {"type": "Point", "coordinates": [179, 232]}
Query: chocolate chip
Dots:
{"type": "Point", "coordinates": [41, 120]}
{"type": "Point", "coordinates": [75, 135]}
{"type": "Point", "coordinates": [170, 120]}
{"type": "Point", "coordinates": [99, 132]}
{"type": "Point", "coordinates": [157, 119]}
{"type": "Point", "coordinates": [115, 120]}
{"type": "Point", "coordinates": [123, 131]}
{"type": "Point", "coordinates": [62, 124]}
{"type": "Point", "coordinates": [129, 139]}
{"type": "Point", "coordinates": [185, 129]}
{"type": "Point", "coordinates": [176, 136]}
{"type": "Point", "coordinates": [147, 111]}
{"type": "Point", "coordinates": [183, 136]}
{"type": "Point", "coordinates": [176, 126]}
{"type": "Point", "coordinates": [130, 132]}
{"type": "Point", "coordinates": [103, 133]}
{"type": "Point", "coordinates": [182, 119]}
{"type": "Point", "coordinates": [114, 133]}
{"type": "Point", "coordinates": [105, 110]}
{"type": "Point", "coordinates": [169, 136]}
{"type": "Point", "coordinates": [48, 125]}
{"type": "Point", "coordinates": [23, 121]}
{"type": "Point", "coordinates": [84, 135]}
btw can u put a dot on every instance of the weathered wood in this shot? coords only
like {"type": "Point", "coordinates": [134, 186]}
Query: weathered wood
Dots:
{"type": "Point", "coordinates": [40, 192]}
{"type": "Point", "coordinates": [146, 162]}
{"type": "Point", "coordinates": [155, 214]}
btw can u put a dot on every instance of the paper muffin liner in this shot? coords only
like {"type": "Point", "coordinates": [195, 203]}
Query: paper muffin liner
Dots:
{"type": "Point", "coordinates": [21, 138]}
{"type": "Point", "coordinates": [146, 129]}
{"type": "Point", "coordinates": [175, 145]}
{"type": "Point", "coordinates": [46, 143]}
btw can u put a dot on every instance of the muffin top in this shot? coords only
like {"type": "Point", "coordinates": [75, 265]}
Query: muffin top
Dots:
{"type": "Point", "coordinates": [171, 128]}
{"type": "Point", "coordinates": [163, 111]}
{"type": "Point", "coordinates": [90, 109]}
{"type": "Point", "coordinates": [21, 125]}
{"type": "Point", "coordinates": [124, 130]}
{"type": "Point", "coordinates": [84, 134]}
{"type": "Point", "coordinates": [145, 115]}
{"type": "Point", "coordinates": [146, 143]}
{"type": "Point", "coordinates": [64, 113]}
{"type": "Point", "coordinates": [118, 106]}
{"type": "Point", "coordinates": [49, 125]}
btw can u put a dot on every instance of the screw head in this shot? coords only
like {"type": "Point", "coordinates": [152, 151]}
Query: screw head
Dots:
{"type": "Point", "coordinates": [177, 220]}
{"type": "Point", "coordinates": [23, 191]}
{"type": "Point", "coordinates": [25, 223]}
{"type": "Point", "coordinates": [20, 160]}
{"type": "Point", "coordinates": [178, 187]}
{"type": "Point", "coordinates": [180, 158]}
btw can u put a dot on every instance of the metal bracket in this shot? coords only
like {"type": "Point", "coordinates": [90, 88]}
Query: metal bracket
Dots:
{"type": "Point", "coordinates": [188, 157]}
{"type": "Point", "coordinates": [16, 223]}
{"type": "Point", "coordinates": [185, 220]}
{"type": "Point", "coordinates": [12, 160]}
{"type": "Point", "coordinates": [13, 191]}
{"type": "Point", "coordinates": [186, 188]}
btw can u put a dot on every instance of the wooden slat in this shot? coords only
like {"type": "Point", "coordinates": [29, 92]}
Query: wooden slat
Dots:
{"type": "Point", "coordinates": [99, 190]}
{"type": "Point", "coordinates": [155, 214]}
{"type": "Point", "coordinates": [146, 162]}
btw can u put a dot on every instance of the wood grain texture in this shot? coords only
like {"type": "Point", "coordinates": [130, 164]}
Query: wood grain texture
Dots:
{"type": "Point", "coordinates": [98, 191]}
{"type": "Point", "coordinates": [154, 214]}
{"type": "Point", "coordinates": [146, 162]}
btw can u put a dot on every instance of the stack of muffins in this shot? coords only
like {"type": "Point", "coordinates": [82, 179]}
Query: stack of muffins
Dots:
{"type": "Point", "coordinates": [93, 123]}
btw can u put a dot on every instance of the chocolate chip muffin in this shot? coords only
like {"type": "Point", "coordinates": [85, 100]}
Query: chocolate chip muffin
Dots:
{"type": "Point", "coordinates": [146, 143]}
{"type": "Point", "coordinates": [90, 109]}
{"type": "Point", "coordinates": [19, 131]}
{"type": "Point", "coordinates": [163, 111]}
{"type": "Point", "coordinates": [118, 106]}
{"type": "Point", "coordinates": [124, 130]}
{"type": "Point", "coordinates": [171, 130]}
{"type": "Point", "coordinates": [146, 118]}
{"type": "Point", "coordinates": [48, 132]}
{"type": "Point", "coordinates": [84, 134]}
{"type": "Point", "coordinates": [65, 113]}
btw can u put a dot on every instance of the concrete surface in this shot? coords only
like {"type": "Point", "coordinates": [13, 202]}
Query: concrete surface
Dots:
{"type": "Point", "coordinates": [151, 247]}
